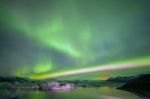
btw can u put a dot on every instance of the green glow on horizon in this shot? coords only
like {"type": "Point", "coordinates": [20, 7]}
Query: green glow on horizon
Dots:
{"type": "Point", "coordinates": [36, 69]}
{"type": "Point", "coordinates": [139, 61]}
{"type": "Point", "coordinates": [39, 68]}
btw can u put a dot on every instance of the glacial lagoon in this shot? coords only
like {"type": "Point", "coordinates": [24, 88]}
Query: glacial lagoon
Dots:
{"type": "Point", "coordinates": [78, 93]}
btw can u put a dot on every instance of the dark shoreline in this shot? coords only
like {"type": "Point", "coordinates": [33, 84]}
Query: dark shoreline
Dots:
{"type": "Point", "coordinates": [139, 86]}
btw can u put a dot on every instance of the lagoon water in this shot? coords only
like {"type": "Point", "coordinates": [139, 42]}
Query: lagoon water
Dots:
{"type": "Point", "coordinates": [79, 93]}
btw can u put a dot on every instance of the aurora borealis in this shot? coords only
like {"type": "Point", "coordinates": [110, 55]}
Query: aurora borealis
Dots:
{"type": "Point", "coordinates": [65, 38]}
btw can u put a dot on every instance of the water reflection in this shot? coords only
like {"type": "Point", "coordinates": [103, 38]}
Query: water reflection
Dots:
{"type": "Point", "coordinates": [79, 93]}
{"type": "Point", "coordinates": [143, 94]}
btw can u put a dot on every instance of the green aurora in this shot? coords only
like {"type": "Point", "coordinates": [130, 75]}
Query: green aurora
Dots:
{"type": "Point", "coordinates": [46, 37]}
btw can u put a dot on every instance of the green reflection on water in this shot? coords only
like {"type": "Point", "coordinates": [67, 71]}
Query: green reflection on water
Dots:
{"type": "Point", "coordinates": [79, 93]}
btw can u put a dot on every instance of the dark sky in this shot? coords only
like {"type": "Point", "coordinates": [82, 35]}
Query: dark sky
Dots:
{"type": "Point", "coordinates": [52, 38]}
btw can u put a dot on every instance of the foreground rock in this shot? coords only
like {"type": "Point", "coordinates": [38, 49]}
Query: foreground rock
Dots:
{"type": "Point", "coordinates": [140, 85]}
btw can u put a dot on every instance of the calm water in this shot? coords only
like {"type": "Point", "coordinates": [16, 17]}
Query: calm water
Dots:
{"type": "Point", "coordinates": [79, 93]}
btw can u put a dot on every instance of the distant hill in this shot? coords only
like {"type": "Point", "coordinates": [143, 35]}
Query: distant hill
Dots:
{"type": "Point", "coordinates": [13, 79]}
{"type": "Point", "coordinates": [122, 79]}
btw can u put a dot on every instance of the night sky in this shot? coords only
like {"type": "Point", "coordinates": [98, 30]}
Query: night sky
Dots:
{"type": "Point", "coordinates": [74, 39]}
